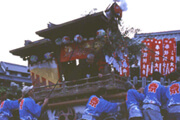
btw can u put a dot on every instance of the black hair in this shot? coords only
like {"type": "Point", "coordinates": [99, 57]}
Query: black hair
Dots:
{"type": "Point", "coordinates": [26, 95]}
{"type": "Point", "coordinates": [174, 76]}
{"type": "Point", "coordinates": [156, 75]}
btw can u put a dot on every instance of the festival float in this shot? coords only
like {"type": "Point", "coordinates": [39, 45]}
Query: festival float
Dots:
{"type": "Point", "coordinates": [63, 47]}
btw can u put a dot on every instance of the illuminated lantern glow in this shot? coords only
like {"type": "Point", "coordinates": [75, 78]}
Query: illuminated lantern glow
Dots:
{"type": "Point", "coordinates": [117, 11]}
{"type": "Point", "coordinates": [100, 33]}
{"type": "Point", "coordinates": [58, 41]}
{"type": "Point", "coordinates": [33, 58]}
{"type": "Point", "coordinates": [48, 55]}
{"type": "Point", "coordinates": [78, 38]}
{"type": "Point", "coordinates": [66, 40]}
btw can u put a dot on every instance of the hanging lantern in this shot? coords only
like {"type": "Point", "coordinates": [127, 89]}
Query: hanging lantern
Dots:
{"type": "Point", "coordinates": [66, 40]}
{"type": "Point", "coordinates": [58, 41]}
{"type": "Point", "coordinates": [117, 11]}
{"type": "Point", "coordinates": [100, 33]}
{"type": "Point", "coordinates": [33, 58]}
{"type": "Point", "coordinates": [48, 55]}
{"type": "Point", "coordinates": [114, 11]}
{"type": "Point", "coordinates": [78, 38]}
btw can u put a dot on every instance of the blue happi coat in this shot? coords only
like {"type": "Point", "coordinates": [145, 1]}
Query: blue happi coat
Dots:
{"type": "Point", "coordinates": [29, 110]}
{"type": "Point", "coordinates": [133, 98]}
{"type": "Point", "coordinates": [6, 108]}
{"type": "Point", "coordinates": [173, 97]}
{"type": "Point", "coordinates": [155, 94]}
{"type": "Point", "coordinates": [95, 106]}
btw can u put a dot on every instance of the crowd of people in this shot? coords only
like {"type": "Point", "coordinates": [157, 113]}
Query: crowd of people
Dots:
{"type": "Point", "coordinates": [28, 108]}
{"type": "Point", "coordinates": [97, 105]}
{"type": "Point", "coordinates": [154, 102]}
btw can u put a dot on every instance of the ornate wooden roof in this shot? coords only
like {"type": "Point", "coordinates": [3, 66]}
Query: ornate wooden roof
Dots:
{"type": "Point", "coordinates": [86, 26]}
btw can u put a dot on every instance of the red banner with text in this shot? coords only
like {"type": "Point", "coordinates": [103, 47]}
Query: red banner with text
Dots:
{"type": "Point", "coordinates": [146, 58]}
{"type": "Point", "coordinates": [169, 56]}
{"type": "Point", "coordinates": [158, 55]}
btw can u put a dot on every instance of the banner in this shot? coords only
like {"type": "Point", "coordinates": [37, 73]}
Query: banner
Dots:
{"type": "Point", "coordinates": [169, 58]}
{"type": "Point", "coordinates": [124, 69]}
{"type": "Point", "coordinates": [120, 66]}
{"type": "Point", "coordinates": [146, 58]}
{"type": "Point", "coordinates": [158, 55]}
{"type": "Point", "coordinates": [74, 51]}
{"type": "Point", "coordinates": [44, 74]}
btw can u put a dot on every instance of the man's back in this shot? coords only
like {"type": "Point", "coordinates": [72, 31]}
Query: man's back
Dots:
{"type": "Point", "coordinates": [28, 109]}
{"type": "Point", "coordinates": [154, 93]}
{"type": "Point", "coordinates": [173, 95]}
{"type": "Point", "coordinates": [6, 107]}
{"type": "Point", "coordinates": [133, 98]}
{"type": "Point", "coordinates": [95, 106]}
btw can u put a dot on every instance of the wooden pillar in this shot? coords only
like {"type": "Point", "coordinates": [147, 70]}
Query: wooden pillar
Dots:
{"type": "Point", "coordinates": [151, 79]}
{"type": "Point", "coordinates": [169, 81]}
{"type": "Point", "coordinates": [144, 82]}
{"type": "Point", "coordinates": [162, 81]}
{"type": "Point", "coordinates": [135, 80]}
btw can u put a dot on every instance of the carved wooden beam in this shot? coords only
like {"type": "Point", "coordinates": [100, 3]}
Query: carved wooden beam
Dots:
{"type": "Point", "coordinates": [83, 101]}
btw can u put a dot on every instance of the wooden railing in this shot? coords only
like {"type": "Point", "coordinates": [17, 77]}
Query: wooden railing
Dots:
{"type": "Point", "coordinates": [77, 87]}
{"type": "Point", "coordinates": [144, 81]}
{"type": "Point", "coordinates": [85, 100]}
{"type": "Point", "coordinates": [88, 85]}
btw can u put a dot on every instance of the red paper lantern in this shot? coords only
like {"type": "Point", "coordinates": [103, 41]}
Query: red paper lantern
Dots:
{"type": "Point", "coordinates": [100, 33]}
{"type": "Point", "coordinates": [33, 58]}
{"type": "Point", "coordinates": [58, 41]}
{"type": "Point", "coordinates": [78, 38]}
{"type": "Point", "coordinates": [66, 40]}
{"type": "Point", "coordinates": [48, 55]}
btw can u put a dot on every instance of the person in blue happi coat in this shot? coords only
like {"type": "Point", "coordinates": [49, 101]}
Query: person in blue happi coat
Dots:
{"type": "Point", "coordinates": [154, 98]}
{"type": "Point", "coordinates": [7, 106]}
{"type": "Point", "coordinates": [134, 99]}
{"type": "Point", "coordinates": [97, 105]}
{"type": "Point", "coordinates": [173, 97]}
{"type": "Point", "coordinates": [28, 109]}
